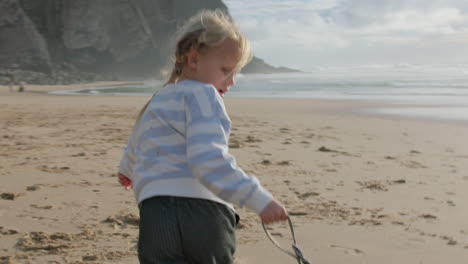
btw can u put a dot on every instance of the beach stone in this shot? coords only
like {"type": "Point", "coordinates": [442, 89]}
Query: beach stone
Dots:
{"type": "Point", "coordinates": [8, 196]}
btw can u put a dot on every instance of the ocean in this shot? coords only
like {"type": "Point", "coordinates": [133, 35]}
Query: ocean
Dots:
{"type": "Point", "coordinates": [405, 90]}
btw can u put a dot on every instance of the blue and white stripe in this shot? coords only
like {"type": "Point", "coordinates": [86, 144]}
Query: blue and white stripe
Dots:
{"type": "Point", "coordinates": [180, 148]}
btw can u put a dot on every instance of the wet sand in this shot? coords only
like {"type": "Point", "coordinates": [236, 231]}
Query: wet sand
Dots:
{"type": "Point", "coordinates": [359, 188]}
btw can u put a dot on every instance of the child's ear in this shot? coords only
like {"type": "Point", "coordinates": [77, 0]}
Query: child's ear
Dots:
{"type": "Point", "coordinates": [192, 58]}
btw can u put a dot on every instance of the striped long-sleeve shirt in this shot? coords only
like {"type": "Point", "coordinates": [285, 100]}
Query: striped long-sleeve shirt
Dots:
{"type": "Point", "coordinates": [180, 148]}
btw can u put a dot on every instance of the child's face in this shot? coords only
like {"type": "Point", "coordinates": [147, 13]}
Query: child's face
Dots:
{"type": "Point", "coordinates": [216, 65]}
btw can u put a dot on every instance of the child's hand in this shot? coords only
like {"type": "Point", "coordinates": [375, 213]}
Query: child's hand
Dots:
{"type": "Point", "coordinates": [273, 212]}
{"type": "Point", "coordinates": [125, 181]}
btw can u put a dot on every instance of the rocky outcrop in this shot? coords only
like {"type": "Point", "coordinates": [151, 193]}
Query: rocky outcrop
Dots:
{"type": "Point", "coordinates": [120, 37]}
{"type": "Point", "coordinates": [63, 41]}
{"type": "Point", "coordinates": [258, 65]}
{"type": "Point", "coordinates": [21, 45]}
{"type": "Point", "coordinates": [106, 39]}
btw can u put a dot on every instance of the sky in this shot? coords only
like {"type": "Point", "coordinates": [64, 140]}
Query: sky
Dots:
{"type": "Point", "coordinates": [311, 34]}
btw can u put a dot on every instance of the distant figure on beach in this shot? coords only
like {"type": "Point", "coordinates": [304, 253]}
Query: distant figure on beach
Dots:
{"type": "Point", "coordinates": [21, 87]}
{"type": "Point", "coordinates": [177, 159]}
{"type": "Point", "coordinates": [11, 80]}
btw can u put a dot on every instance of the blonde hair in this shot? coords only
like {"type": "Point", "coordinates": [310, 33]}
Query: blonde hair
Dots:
{"type": "Point", "coordinates": [207, 29]}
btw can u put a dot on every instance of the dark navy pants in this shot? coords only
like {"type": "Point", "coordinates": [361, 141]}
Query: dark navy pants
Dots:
{"type": "Point", "coordinates": [176, 230]}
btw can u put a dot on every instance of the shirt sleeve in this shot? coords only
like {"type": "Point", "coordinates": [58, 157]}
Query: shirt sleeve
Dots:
{"type": "Point", "coordinates": [207, 126]}
{"type": "Point", "coordinates": [128, 160]}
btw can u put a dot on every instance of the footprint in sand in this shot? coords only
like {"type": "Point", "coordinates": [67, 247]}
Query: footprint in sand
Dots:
{"type": "Point", "coordinates": [54, 169]}
{"type": "Point", "coordinates": [43, 207]}
{"type": "Point", "coordinates": [449, 150]}
{"type": "Point", "coordinates": [90, 258]}
{"type": "Point", "coordinates": [281, 163]}
{"type": "Point", "coordinates": [100, 153]}
{"type": "Point", "coordinates": [326, 149]}
{"type": "Point", "coordinates": [372, 185]}
{"type": "Point", "coordinates": [349, 250]}
{"type": "Point", "coordinates": [307, 195]}
{"type": "Point", "coordinates": [53, 243]}
{"type": "Point", "coordinates": [81, 154]}
{"type": "Point", "coordinates": [399, 223]}
{"type": "Point", "coordinates": [428, 216]}
{"type": "Point", "coordinates": [123, 218]}
{"type": "Point", "coordinates": [7, 259]}
{"type": "Point", "coordinates": [365, 222]}
{"type": "Point", "coordinates": [34, 187]}
{"type": "Point", "coordinates": [252, 139]}
{"type": "Point", "coordinates": [450, 240]}
{"type": "Point", "coordinates": [413, 164]}
{"type": "Point", "coordinates": [7, 231]}
{"type": "Point", "coordinates": [84, 183]}
{"type": "Point", "coordinates": [400, 181]}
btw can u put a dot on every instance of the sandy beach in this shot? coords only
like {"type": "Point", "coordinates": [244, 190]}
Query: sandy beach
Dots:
{"type": "Point", "coordinates": [359, 188]}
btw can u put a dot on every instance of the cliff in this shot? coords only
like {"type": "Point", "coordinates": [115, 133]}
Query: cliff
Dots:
{"type": "Point", "coordinates": [21, 45]}
{"type": "Point", "coordinates": [63, 41]}
{"type": "Point", "coordinates": [258, 65]}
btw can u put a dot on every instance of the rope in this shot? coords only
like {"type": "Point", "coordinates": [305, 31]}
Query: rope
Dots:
{"type": "Point", "coordinates": [296, 253]}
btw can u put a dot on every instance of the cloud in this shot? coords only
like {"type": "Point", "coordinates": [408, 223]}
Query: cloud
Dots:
{"type": "Point", "coordinates": [326, 31]}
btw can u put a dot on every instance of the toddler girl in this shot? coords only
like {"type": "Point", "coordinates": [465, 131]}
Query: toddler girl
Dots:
{"type": "Point", "coordinates": [177, 158]}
